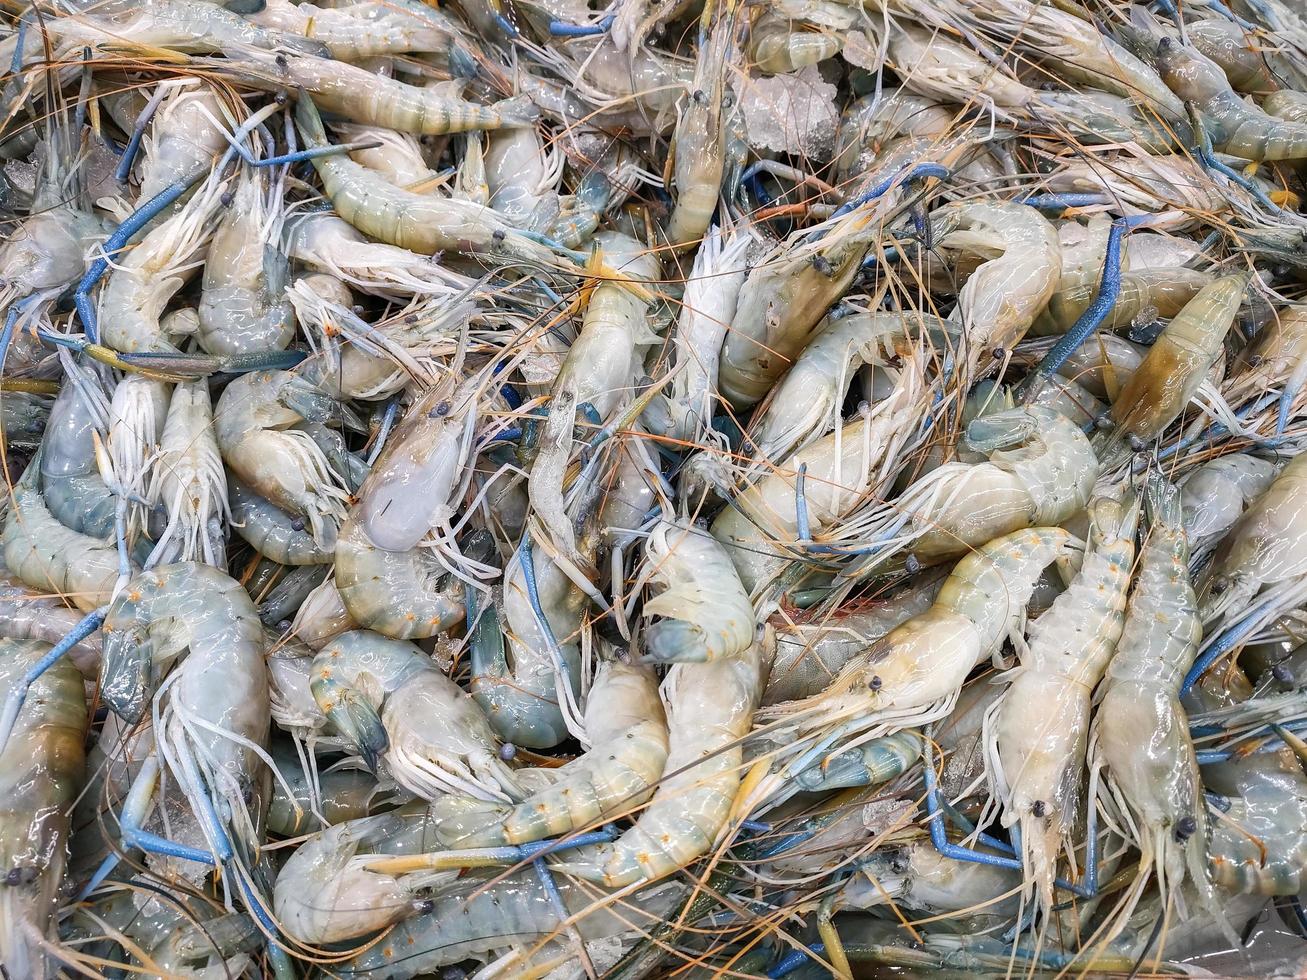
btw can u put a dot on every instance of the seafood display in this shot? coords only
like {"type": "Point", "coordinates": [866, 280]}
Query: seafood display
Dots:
{"type": "Point", "coordinates": [673, 488]}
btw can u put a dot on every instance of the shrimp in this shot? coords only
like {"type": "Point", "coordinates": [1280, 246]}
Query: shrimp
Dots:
{"type": "Point", "coordinates": [1036, 761]}
{"type": "Point", "coordinates": [479, 915]}
{"type": "Point", "coordinates": [1261, 551]}
{"type": "Point", "coordinates": [808, 397]}
{"type": "Point", "coordinates": [325, 892]}
{"type": "Point", "coordinates": [255, 423]}
{"type": "Point", "coordinates": [45, 253]}
{"type": "Point", "coordinates": [521, 175]}
{"type": "Point", "coordinates": [1151, 293]}
{"type": "Point", "coordinates": [912, 675]}
{"type": "Point", "coordinates": [711, 295]}
{"type": "Point", "coordinates": [364, 97]}
{"type": "Point", "coordinates": [1277, 359]}
{"type": "Point", "coordinates": [48, 556]}
{"type": "Point", "coordinates": [242, 308]}
{"type": "Point", "coordinates": [322, 616]}
{"type": "Point", "coordinates": [43, 768]}
{"type": "Point", "coordinates": [710, 709]}
{"type": "Point", "coordinates": [938, 67]}
{"type": "Point", "coordinates": [329, 244]}
{"type": "Point", "coordinates": [1233, 126]}
{"type": "Point", "coordinates": [776, 48]}
{"type": "Point", "coordinates": [74, 491]}
{"type": "Point", "coordinates": [420, 222]}
{"type": "Point", "coordinates": [1259, 845]}
{"type": "Point", "coordinates": [840, 470]}
{"type": "Point", "coordinates": [1177, 363]}
{"type": "Point", "coordinates": [1155, 780]}
{"type": "Point", "coordinates": [184, 139]}
{"type": "Point", "coordinates": [1079, 51]}
{"type": "Point", "coordinates": [1040, 470]}
{"type": "Point", "coordinates": [784, 298]}
{"type": "Point", "coordinates": [190, 480]}
{"type": "Point", "coordinates": [371, 29]}
{"type": "Point", "coordinates": [211, 711]}
{"type": "Point", "coordinates": [810, 654]}
{"type": "Point", "coordinates": [704, 612]}
{"type": "Point", "coordinates": [1003, 296]}
{"type": "Point", "coordinates": [627, 730]}
{"type": "Point", "coordinates": [392, 704]}
{"type": "Point", "coordinates": [1286, 104]}
{"type": "Point", "coordinates": [147, 277]}
{"type": "Point", "coordinates": [600, 370]}
{"type": "Point", "coordinates": [1216, 494]}
{"type": "Point", "coordinates": [699, 140]}
{"type": "Point", "coordinates": [406, 594]}
{"type": "Point", "coordinates": [272, 532]}
{"type": "Point", "coordinates": [342, 794]}
{"type": "Point", "coordinates": [1231, 48]}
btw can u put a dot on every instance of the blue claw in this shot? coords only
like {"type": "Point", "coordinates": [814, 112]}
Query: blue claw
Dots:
{"type": "Point", "coordinates": [533, 595]}
{"type": "Point", "coordinates": [794, 959]}
{"type": "Point", "coordinates": [920, 172]}
{"type": "Point", "coordinates": [138, 132]}
{"type": "Point", "coordinates": [560, 28]}
{"type": "Point", "coordinates": [1226, 642]}
{"type": "Point", "coordinates": [1286, 405]}
{"type": "Point", "coordinates": [1109, 288]}
{"type": "Point", "coordinates": [18, 695]}
{"type": "Point", "coordinates": [1062, 202]}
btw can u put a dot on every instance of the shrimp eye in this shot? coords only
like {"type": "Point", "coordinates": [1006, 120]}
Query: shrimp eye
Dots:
{"type": "Point", "coordinates": [297, 524]}
{"type": "Point", "coordinates": [912, 564]}
{"type": "Point", "coordinates": [1039, 808]}
{"type": "Point", "coordinates": [499, 235]}
{"type": "Point", "coordinates": [1136, 444]}
{"type": "Point", "coordinates": [508, 751]}
{"type": "Point", "coordinates": [227, 198]}
{"type": "Point", "coordinates": [822, 265]}
{"type": "Point", "coordinates": [1104, 422]}
{"type": "Point", "coordinates": [998, 353]}
{"type": "Point", "coordinates": [1282, 674]}
{"type": "Point", "coordinates": [875, 684]}
{"type": "Point", "coordinates": [23, 874]}
{"type": "Point", "coordinates": [898, 865]}
{"type": "Point", "coordinates": [700, 96]}
{"type": "Point", "coordinates": [1185, 828]}
{"type": "Point", "coordinates": [282, 63]}
{"type": "Point", "coordinates": [1255, 360]}
{"type": "Point", "coordinates": [441, 410]}
{"type": "Point", "coordinates": [411, 319]}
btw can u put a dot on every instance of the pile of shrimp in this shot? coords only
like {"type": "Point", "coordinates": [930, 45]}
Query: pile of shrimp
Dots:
{"type": "Point", "coordinates": [683, 488]}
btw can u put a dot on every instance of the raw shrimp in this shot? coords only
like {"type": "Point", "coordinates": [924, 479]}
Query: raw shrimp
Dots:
{"type": "Point", "coordinates": [710, 708]}
{"type": "Point", "coordinates": [48, 556]}
{"type": "Point", "coordinates": [699, 141]}
{"type": "Point", "coordinates": [272, 532]}
{"type": "Point", "coordinates": [1235, 52]}
{"type": "Point", "coordinates": [628, 748]}
{"type": "Point", "coordinates": [406, 594]}
{"type": "Point", "coordinates": [1037, 747]}
{"type": "Point", "coordinates": [1176, 365]}
{"type": "Point", "coordinates": [184, 139]}
{"type": "Point", "coordinates": [703, 610]}
{"type": "Point", "coordinates": [42, 765]}
{"type": "Point", "coordinates": [912, 675]}
{"type": "Point", "coordinates": [360, 31]}
{"type": "Point", "coordinates": [776, 48]}
{"type": "Point", "coordinates": [256, 422]}
{"type": "Point", "coordinates": [1215, 495]}
{"type": "Point", "coordinates": [242, 307]}
{"type": "Point", "coordinates": [391, 703]}
{"type": "Point", "coordinates": [1155, 780]}
{"type": "Point", "coordinates": [74, 491]}
{"type": "Point", "coordinates": [1233, 125]}
{"type": "Point", "coordinates": [190, 481]}
{"type": "Point", "coordinates": [1003, 296]}
{"type": "Point", "coordinates": [1259, 845]}
{"type": "Point", "coordinates": [421, 222]}
{"type": "Point", "coordinates": [1149, 293]}
{"type": "Point", "coordinates": [711, 294]}
{"type": "Point", "coordinates": [1039, 470]}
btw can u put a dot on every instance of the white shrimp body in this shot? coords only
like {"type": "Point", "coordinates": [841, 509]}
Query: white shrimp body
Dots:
{"type": "Point", "coordinates": [1040, 471]}
{"type": "Point", "coordinates": [710, 708]}
{"type": "Point", "coordinates": [322, 616]}
{"type": "Point", "coordinates": [627, 730]}
{"type": "Point", "coordinates": [704, 611]}
{"type": "Point", "coordinates": [190, 480]}
{"type": "Point", "coordinates": [1003, 296]}
{"type": "Point", "coordinates": [255, 424]}
{"type": "Point", "coordinates": [1042, 723]}
{"type": "Point", "coordinates": [711, 292]}
{"type": "Point", "coordinates": [185, 137]}
{"type": "Point", "coordinates": [48, 556]}
{"type": "Point", "coordinates": [1215, 495]}
{"type": "Point", "coordinates": [371, 29]}
{"type": "Point", "coordinates": [1140, 735]}
{"type": "Point", "coordinates": [601, 369]}
{"type": "Point", "coordinates": [391, 703]}
{"type": "Point", "coordinates": [520, 175]}
{"type": "Point", "coordinates": [912, 675]}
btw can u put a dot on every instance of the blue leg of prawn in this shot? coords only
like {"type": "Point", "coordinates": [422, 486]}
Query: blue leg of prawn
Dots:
{"type": "Point", "coordinates": [18, 694]}
{"type": "Point", "coordinates": [921, 171]}
{"type": "Point", "coordinates": [138, 133]}
{"type": "Point", "coordinates": [794, 959]}
{"type": "Point", "coordinates": [1063, 202]}
{"type": "Point", "coordinates": [1226, 642]}
{"type": "Point", "coordinates": [1207, 158]}
{"type": "Point", "coordinates": [1109, 288]}
{"type": "Point", "coordinates": [560, 28]}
